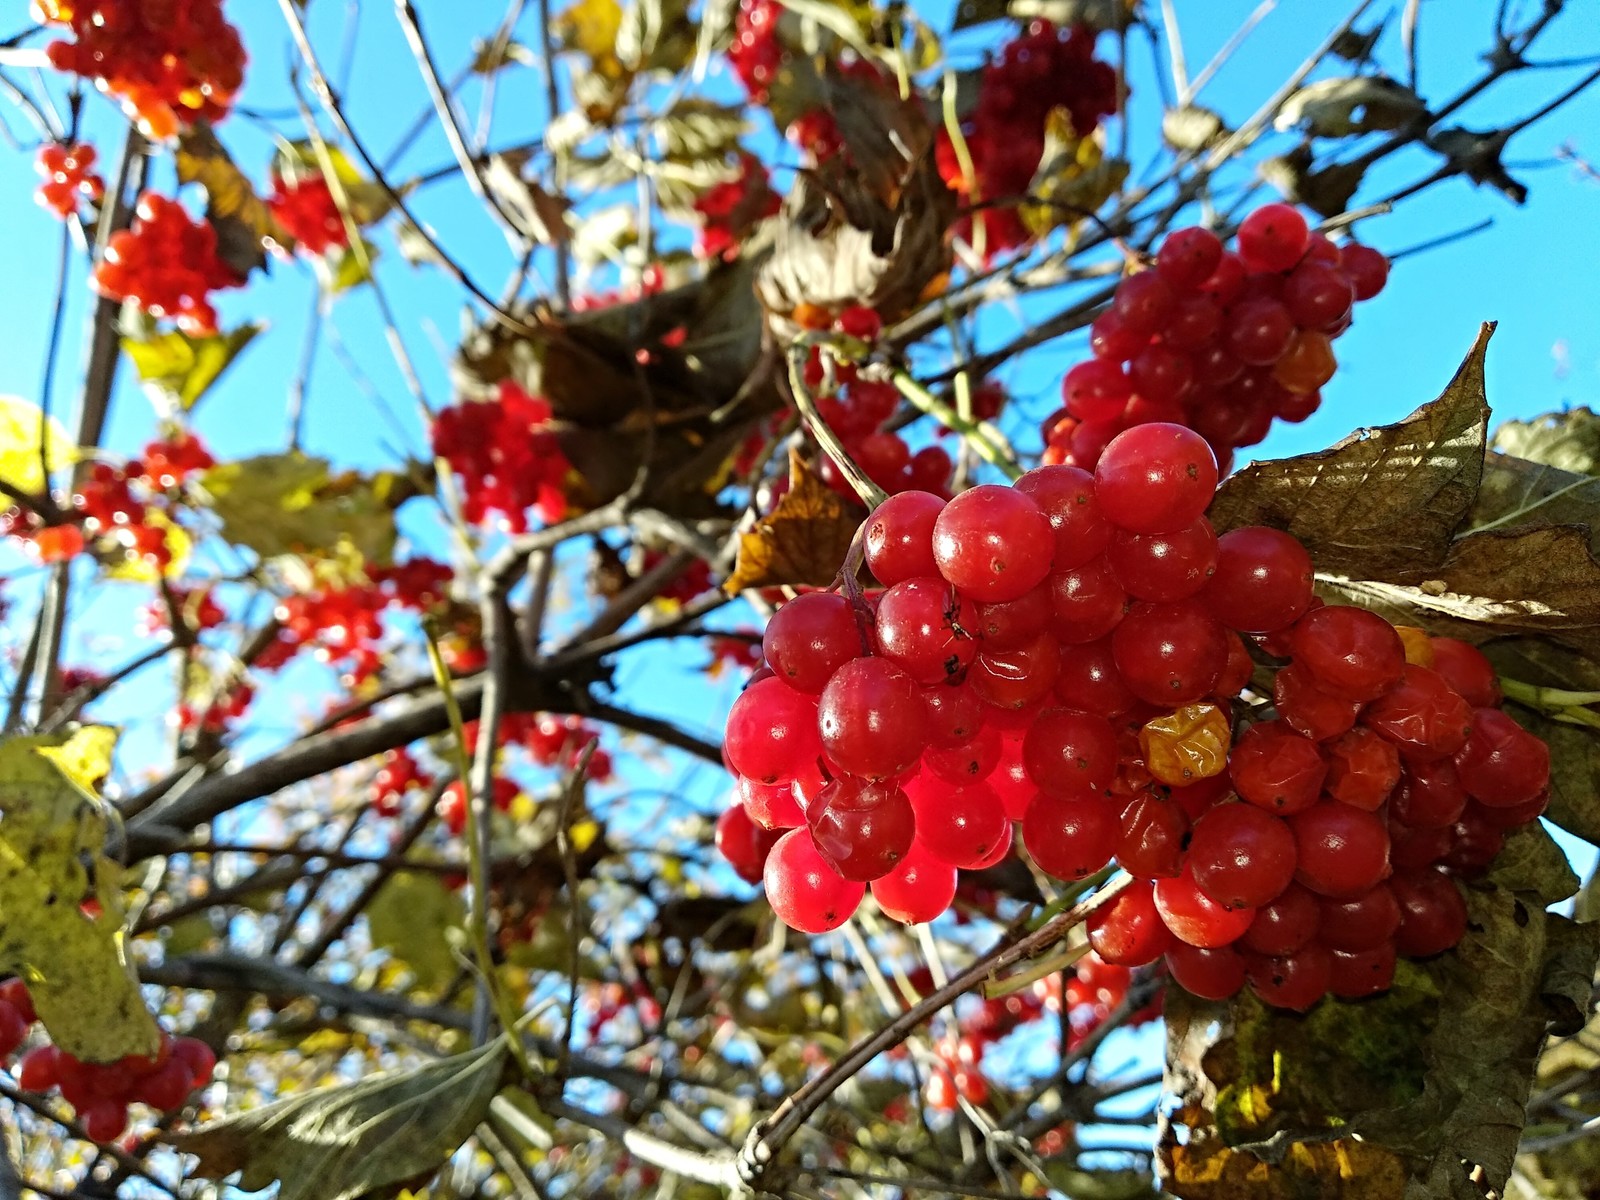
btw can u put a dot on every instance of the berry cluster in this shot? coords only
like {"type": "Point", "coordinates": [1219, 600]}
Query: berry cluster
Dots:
{"type": "Point", "coordinates": [171, 62]}
{"type": "Point", "coordinates": [344, 624]}
{"type": "Point", "coordinates": [214, 715]}
{"type": "Point", "coordinates": [1043, 69]}
{"type": "Point", "coordinates": [69, 177]}
{"type": "Point", "coordinates": [1221, 340]}
{"type": "Point", "coordinates": [101, 1092]}
{"type": "Point", "coordinates": [756, 54]}
{"type": "Point", "coordinates": [110, 508]}
{"type": "Point", "coordinates": [399, 774]}
{"type": "Point", "coordinates": [730, 210]}
{"type": "Point", "coordinates": [167, 265]}
{"type": "Point", "coordinates": [506, 455]}
{"type": "Point", "coordinates": [305, 208]}
{"type": "Point", "coordinates": [1064, 654]}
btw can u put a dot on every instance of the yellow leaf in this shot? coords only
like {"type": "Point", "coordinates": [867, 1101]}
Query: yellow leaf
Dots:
{"type": "Point", "coordinates": [241, 218]}
{"type": "Point", "coordinates": [291, 503]}
{"type": "Point", "coordinates": [590, 27]}
{"type": "Point", "coordinates": [583, 834]}
{"type": "Point", "coordinates": [184, 367]}
{"type": "Point", "coordinates": [1073, 180]}
{"type": "Point", "coordinates": [52, 837]}
{"type": "Point", "coordinates": [803, 541]}
{"type": "Point", "coordinates": [22, 429]}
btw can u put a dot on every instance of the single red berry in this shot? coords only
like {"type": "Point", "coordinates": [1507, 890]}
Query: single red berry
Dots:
{"type": "Point", "coordinates": [917, 889]}
{"type": "Point", "coordinates": [898, 543]}
{"type": "Point", "coordinates": [1422, 715]}
{"type": "Point", "coordinates": [1164, 567]}
{"type": "Point", "coordinates": [1189, 257]}
{"type": "Point", "coordinates": [1151, 834]}
{"type": "Point", "coordinates": [772, 732]}
{"type": "Point", "coordinates": [1363, 922]}
{"type": "Point", "coordinates": [1069, 839]}
{"type": "Point", "coordinates": [1342, 850]}
{"type": "Point", "coordinates": [1262, 581]}
{"type": "Point", "coordinates": [1363, 769]}
{"type": "Point", "coordinates": [1502, 764]}
{"type": "Point", "coordinates": [1433, 916]}
{"type": "Point", "coordinates": [810, 638]}
{"type": "Point", "coordinates": [862, 829]}
{"type": "Point", "coordinates": [959, 824]}
{"type": "Point", "coordinates": [1307, 709]}
{"type": "Point", "coordinates": [1241, 856]}
{"type": "Point", "coordinates": [927, 629]}
{"type": "Point", "coordinates": [1273, 238]}
{"type": "Point", "coordinates": [994, 543]}
{"type": "Point", "coordinates": [1295, 981]}
{"type": "Point", "coordinates": [1169, 654]}
{"type": "Point", "coordinates": [1351, 653]}
{"type": "Point", "coordinates": [1214, 973]}
{"type": "Point", "coordinates": [1466, 669]}
{"type": "Point", "coordinates": [1196, 918]}
{"type": "Point", "coordinates": [805, 892]}
{"type": "Point", "coordinates": [1066, 496]}
{"type": "Point", "coordinates": [1129, 931]}
{"type": "Point", "coordinates": [1356, 975]}
{"type": "Point", "coordinates": [872, 719]}
{"type": "Point", "coordinates": [1069, 753]}
{"type": "Point", "coordinates": [743, 843]}
{"type": "Point", "coordinates": [1367, 268]}
{"type": "Point", "coordinates": [1155, 478]}
{"type": "Point", "coordinates": [1285, 924]}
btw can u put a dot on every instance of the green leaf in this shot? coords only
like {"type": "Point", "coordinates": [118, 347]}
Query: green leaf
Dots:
{"type": "Point", "coordinates": [183, 368]}
{"type": "Point", "coordinates": [1568, 441]}
{"type": "Point", "coordinates": [412, 917]}
{"type": "Point", "coordinates": [23, 427]}
{"type": "Point", "coordinates": [364, 1139]}
{"type": "Point", "coordinates": [1384, 503]}
{"type": "Point", "coordinates": [293, 504]}
{"type": "Point", "coordinates": [52, 861]}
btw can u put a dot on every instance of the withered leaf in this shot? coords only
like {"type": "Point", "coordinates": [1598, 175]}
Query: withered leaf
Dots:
{"type": "Point", "coordinates": [241, 218]}
{"type": "Point", "coordinates": [1569, 441]}
{"type": "Point", "coordinates": [867, 226]}
{"type": "Point", "coordinates": [1326, 190]}
{"type": "Point", "coordinates": [1477, 156]}
{"type": "Point", "coordinates": [1517, 492]}
{"type": "Point", "coordinates": [1352, 105]}
{"type": "Point", "coordinates": [537, 214]}
{"type": "Point", "coordinates": [801, 542]}
{"type": "Point", "coordinates": [1384, 503]}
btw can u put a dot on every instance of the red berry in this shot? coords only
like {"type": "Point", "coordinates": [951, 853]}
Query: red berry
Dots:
{"type": "Point", "coordinates": [1088, 680]}
{"type": "Point", "coordinates": [39, 1069]}
{"type": "Point", "coordinates": [862, 829]}
{"type": "Point", "coordinates": [1151, 833]}
{"type": "Point", "coordinates": [1466, 670]}
{"type": "Point", "coordinates": [1422, 715]}
{"type": "Point", "coordinates": [198, 1056]}
{"type": "Point", "coordinates": [1069, 839]}
{"type": "Point", "coordinates": [1285, 924]}
{"type": "Point", "coordinates": [1342, 850]}
{"type": "Point", "coordinates": [1070, 753]}
{"type": "Point", "coordinates": [1307, 709]}
{"type": "Point", "coordinates": [1363, 769]}
{"type": "Point", "coordinates": [1197, 919]}
{"type": "Point", "coordinates": [917, 889]}
{"type": "Point", "coordinates": [1096, 390]}
{"type": "Point", "coordinates": [1367, 268]}
{"type": "Point", "coordinates": [1164, 567]}
{"type": "Point", "coordinates": [927, 629]}
{"type": "Point", "coordinates": [810, 638]}
{"type": "Point", "coordinates": [1363, 922]}
{"type": "Point", "coordinates": [1273, 238]}
{"type": "Point", "coordinates": [898, 543]}
{"type": "Point", "coordinates": [1169, 654]}
{"type": "Point", "coordinates": [805, 892]}
{"type": "Point", "coordinates": [1351, 653]}
{"type": "Point", "coordinates": [860, 322]}
{"type": "Point", "coordinates": [1189, 257]}
{"type": "Point", "coordinates": [1014, 623]}
{"type": "Point", "coordinates": [13, 1029]}
{"type": "Point", "coordinates": [1129, 931]}
{"type": "Point", "coordinates": [1262, 581]}
{"type": "Point", "coordinates": [1259, 331]}
{"type": "Point", "coordinates": [772, 730]}
{"type": "Point", "coordinates": [959, 824]}
{"type": "Point", "coordinates": [103, 1120]}
{"type": "Point", "coordinates": [1086, 602]}
{"type": "Point", "coordinates": [872, 719]}
{"type": "Point", "coordinates": [167, 1087]}
{"type": "Point", "coordinates": [1155, 478]}
{"type": "Point", "coordinates": [1295, 981]}
{"type": "Point", "coordinates": [1214, 973]}
{"type": "Point", "coordinates": [1015, 679]}
{"type": "Point", "coordinates": [1066, 495]}
{"type": "Point", "coordinates": [1430, 795]}
{"type": "Point", "coordinates": [1362, 973]}
{"type": "Point", "coordinates": [1241, 856]}
{"type": "Point", "coordinates": [743, 843]}
{"type": "Point", "coordinates": [1502, 764]}
{"type": "Point", "coordinates": [771, 805]}
{"type": "Point", "coordinates": [15, 993]}
{"type": "Point", "coordinates": [1433, 916]}
{"type": "Point", "coordinates": [1277, 769]}
{"type": "Point", "coordinates": [994, 543]}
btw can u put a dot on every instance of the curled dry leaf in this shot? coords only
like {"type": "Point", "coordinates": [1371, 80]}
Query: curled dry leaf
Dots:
{"type": "Point", "coordinates": [1355, 104]}
{"type": "Point", "coordinates": [866, 226]}
{"type": "Point", "coordinates": [1384, 503]}
{"type": "Point", "coordinates": [1568, 441]}
{"type": "Point", "coordinates": [802, 542]}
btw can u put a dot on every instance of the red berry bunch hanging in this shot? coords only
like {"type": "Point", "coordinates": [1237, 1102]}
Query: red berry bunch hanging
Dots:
{"type": "Point", "coordinates": [69, 177]}
{"type": "Point", "coordinates": [756, 54]}
{"type": "Point", "coordinates": [506, 456]}
{"type": "Point", "coordinates": [167, 265]}
{"type": "Point", "coordinates": [170, 62]}
{"type": "Point", "coordinates": [345, 624]}
{"type": "Point", "coordinates": [399, 774]}
{"type": "Point", "coordinates": [100, 1093]}
{"type": "Point", "coordinates": [553, 741]}
{"type": "Point", "coordinates": [305, 208]}
{"type": "Point", "coordinates": [1221, 340]}
{"type": "Point", "coordinates": [1044, 69]}
{"type": "Point", "coordinates": [730, 210]}
{"type": "Point", "coordinates": [215, 715]}
{"type": "Point", "coordinates": [1063, 654]}
{"type": "Point", "coordinates": [167, 462]}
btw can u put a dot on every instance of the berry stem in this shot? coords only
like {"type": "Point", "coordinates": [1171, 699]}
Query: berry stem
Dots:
{"type": "Point", "coordinates": [871, 494]}
{"type": "Point", "coordinates": [1037, 971]}
{"type": "Point", "coordinates": [1558, 704]}
{"type": "Point", "coordinates": [980, 435]}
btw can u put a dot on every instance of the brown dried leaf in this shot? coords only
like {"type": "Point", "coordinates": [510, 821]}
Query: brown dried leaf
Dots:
{"type": "Point", "coordinates": [868, 225]}
{"type": "Point", "coordinates": [1384, 503]}
{"type": "Point", "coordinates": [802, 542]}
{"type": "Point", "coordinates": [241, 218]}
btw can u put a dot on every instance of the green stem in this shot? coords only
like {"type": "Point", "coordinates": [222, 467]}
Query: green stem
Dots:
{"type": "Point", "coordinates": [1545, 698]}
{"type": "Point", "coordinates": [871, 494]}
{"type": "Point", "coordinates": [980, 435]}
{"type": "Point", "coordinates": [478, 913]}
{"type": "Point", "coordinates": [1036, 972]}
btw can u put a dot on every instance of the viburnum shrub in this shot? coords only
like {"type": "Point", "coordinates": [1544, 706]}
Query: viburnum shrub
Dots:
{"type": "Point", "coordinates": [1089, 622]}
